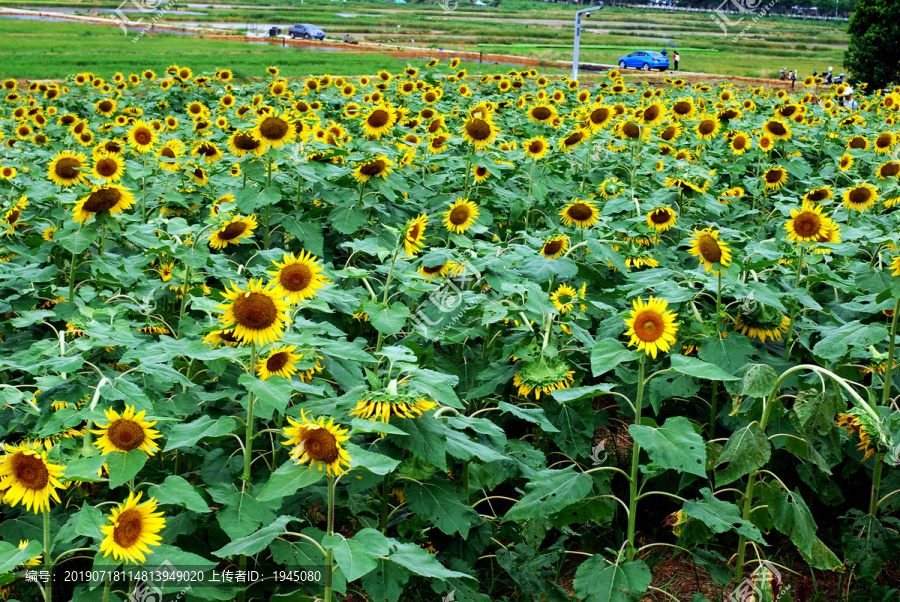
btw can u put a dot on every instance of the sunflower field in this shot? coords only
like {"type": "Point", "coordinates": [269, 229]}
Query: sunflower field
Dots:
{"type": "Point", "coordinates": [435, 336]}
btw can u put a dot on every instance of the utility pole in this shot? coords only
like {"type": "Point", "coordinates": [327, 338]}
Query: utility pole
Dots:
{"type": "Point", "coordinates": [577, 44]}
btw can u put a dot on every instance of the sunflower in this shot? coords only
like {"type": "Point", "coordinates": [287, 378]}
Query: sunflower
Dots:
{"type": "Point", "coordinates": [542, 113]}
{"type": "Point", "coordinates": [598, 117]}
{"type": "Point", "coordinates": [885, 142]}
{"type": "Point", "coordinates": [384, 404]}
{"type": "Point", "coordinates": [860, 197]}
{"type": "Point", "coordinates": [220, 337]}
{"type": "Point", "coordinates": [888, 169]}
{"type": "Point", "coordinates": [651, 327]}
{"type": "Point", "coordinates": [895, 265]}
{"type": "Point", "coordinates": [298, 278]}
{"type": "Point", "coordinates": [141, 137]}
{"type": "Point", "coordinates": [543, 377]}
{"type": "Point", "coordinates": [27, 477]}
{"type": "Point", "coordinates": [536, 148]}
{"type": "Point", "coordinates": [651, 114]}
{"type": "Point", "coordinates": [232, 231]}
{"type": "Point", "coordinates": [433, 271]}
{"type": "Point", "coordinates": [318, 443]}
{"type": "Point", "coordinates": [761, 322]}
{"type": "Point", "coordinates": [573, 139]}
{"type": "Point", "coordinates": [859, 423]}
{"type": "Point", "coordinates": [555, 247]}
{"type": "Point", "coordinates": [776, 129]}
{"type": "Point", "coordinates": [379, 120]}
{"type": "Point", "coordinates": [740, 143]}
{"type": "Point", "coordinates": [67, 168]}
{"type": "Point", "coordinates": [807, 224]}
{"type": "Point", "coordinates": [104, 197]}
{"type": "Point", "coordinates": [479, 131]}
{"type": "Point", "coordinates": [381, 166]}
{"type": "Point", "coordinates": [580, 213]}
{"type": "Point", "coordinates": [563, 298]}
{"type": "Point", "coordinates": [661, 219]}
{"type": "Point", "coordinates": [846, 162]}
{"type": "Point", "coordinates": [706, 246]}
{"type": "Point", "coordinates": [629, 130]}
{"type": "Point", "coordinates": [707, 127]}
{"type": "Point", "coordinates": [8, 173]}
{"type": "Point", "coordinates": [281, 361]}
{"type": "Point", "coordinates": [134, 529]}
{"type": "Point", "coordinates": [274, 130]}
{"type": "Point", "coordinates": [108, 166]}
{"type": "Point", "coordinates": [683, 108]}
{"type": "Point", "coordinates": [858, 143]}
{"type": "Point", "coordinates": [460, 216]}
{"type": "Point", "coordinates": [774, 177]}
{"type": "Point", "coordinates": [257, 313]}
{"type": "Point", "coordinates": [818, 194]}
{"type": "Point", "coordinates": [207, 151]}
{"type": "Point", "coordinates": [126, 432]}
{"type": "Point", "coordinates": [414, 236]}
{"type": "Point", "coordinates": [105, 107]}
{"type": "Point", "coordinates": [480, 174]}
{"type": "Point", "coordinates": [241, 143]}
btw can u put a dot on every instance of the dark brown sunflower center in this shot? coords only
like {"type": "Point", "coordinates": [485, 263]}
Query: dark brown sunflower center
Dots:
{"type": "Point", "coordinates": [776, 128]}
{"type": "Point", "coordinates": [296, 277]}
{"type": "Point", "coordinates": [125, 434]}
{"type": "Point", "coordinates": [143, 136]}
{"type": "Point", "coordinates": [129, 528]}
{"type": "Point", "coordinates": [845, 161]}
{"type": "Point", "coordinates": [884, 141]}
{"type": "Point", "coordinates": [320, 445]}
{"type": "Point", "coordinates": [460, 215]}
{"type": "Point", "coordinates": [890, 169]}
{"type": "Point", "coordinates": [709, 248]}
{"type": "Point", "coordinates": [681, 108]}
{"type": "Point", "coordinates": [112, 147]}
{"type": "Point", "coordinates": [228, 336]}
{"type": "Point", "coordinates": [255, 311]}
{"type": "Point", "coordinates": [580, 212]}
{"type": "Point", "coordinates": [378, 118]}
{"type": "Point", "coordinates": [372, 168]}
{"type": "Point", "coordinates": [433, 269]}
{"type": "Point", "coordinates": [739, 143]}
{"type": "Point", "coordinates": [553, 247]}
{"type": "Point", "coordinates": [859, 196]}
{"type": "Point", "coordinates": [168, 153]}
{"type": "Point", "coordinates": [68, 168]}
{"type": "Point", "coordinates": [67, 119]}
{"type": "Point", "coordinates": [478, 129]}
{"type": "Point", "coordinates": [807, 224]}
{"type": "Point", "coordinates": [105, 106]}
{"type": "Point", "coordinates": [631, 130]}
{"type": "Point", "coordinates": [438, 142]}
{"type": "Point", "coordinates": [599, 115]}
{"type": "Point", "coordinates": [413, 233]}
{"type": "Point", "coordinates": [819, 194]}
{"type": "Point", "coordinates": [277, 361]}
{"type": "Point", "coordinates": [773, 176]}
{"type": "Point", "coordinates": [651, 113]}
{"type": "Point", "coordinates": [246, 142]}
{"type": "Point", "coordinates": [273, 128]}
{"type": "Point", "coordinates": [659, 216]}
{"type": "Point", "coordinates": [233, 230]}
{"type": "Point", "coordinates": [668, 133]}
{"type": "Point", "coordinates": [573, 139]}
{"type": "Point", "coordinates": [541, 113]}
{"type": "Point", "coordinates": [857, 142]}
{"type": "Point", "coordinates": [199, 173]}
{"type": "Point", "coordinates": [788, 110]}
{"type": "Point", "coordinates": [30, 471]}
{"type": "Point", "coordinates": [13, 216]}
{"type": "Point", "coordinates": [208, 150]}
{"type": "Point", "coordinates": [648, 326]}
{"type": "Point", "coordinates": [102, 200]}
{"type": "Point", "coordinates": [706, 127]}
{"type": "Point", "coordinates": [107, 167]}
{"type": "Point", "coordinates": [535, 147]}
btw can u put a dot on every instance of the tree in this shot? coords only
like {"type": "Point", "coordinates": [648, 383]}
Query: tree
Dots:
{"type": "Point", "coordinates": [873, 54]}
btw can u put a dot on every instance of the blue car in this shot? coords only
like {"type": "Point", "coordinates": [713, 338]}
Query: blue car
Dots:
{"type": "Point", "coordinates": [306, 32]}
{"type": "Point", "coordinates": [644, 59]}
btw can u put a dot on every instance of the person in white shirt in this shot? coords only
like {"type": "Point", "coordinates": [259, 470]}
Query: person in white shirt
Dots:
{"type": "Point", "coordinates": [849, 102]}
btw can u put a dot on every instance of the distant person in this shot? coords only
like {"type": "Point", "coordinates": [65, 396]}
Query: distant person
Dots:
{"type": "Point", "coordinates": [676, 58]}
{"type": "Point", "coordinates": [793, 78]}
{"type": "Point", "coordinates": [664, 51]}
{"type": "Point", "coordinates": [815, 72]}
{"type": "Point", "coordinates": [782, 74]}
{"type": "Point", "coordinates": [849, 102]}
{"type": "Point", "coordinates": [829, 77]}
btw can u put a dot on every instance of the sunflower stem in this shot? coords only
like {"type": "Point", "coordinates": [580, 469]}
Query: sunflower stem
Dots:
{"type": "Point", "coordinates": [248, 435]}
{"type": "Point", "coordinates": [268, 212]}
{"type": "Point", "coordinates": [71, 297]}
{"type": "Point", "coordinates": [106, 587]}
{"type": "Point", "coordinates": [184, 295]}
{"type": "Point", "coordinates": [48, 594]}
{"type": "Point", "coordinates": [329, 553]}
{"type": "Point", "coordinates": [635, 465]}
{"type": "Point", "coordinates": [385, 506]}
{"type": "Point", "coordinates": [885, 399]}
{"type": "Point", "coordinates": [790, 332]}
{"type": "Point", "coordinates": [714, 410]}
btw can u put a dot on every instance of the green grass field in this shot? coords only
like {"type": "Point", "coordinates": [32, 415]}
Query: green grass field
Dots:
{"type": "Point", "coordinates": [519, 27]}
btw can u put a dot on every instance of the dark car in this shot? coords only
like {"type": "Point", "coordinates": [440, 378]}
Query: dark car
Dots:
{"type": "Point", "coordinates": [306, 32]}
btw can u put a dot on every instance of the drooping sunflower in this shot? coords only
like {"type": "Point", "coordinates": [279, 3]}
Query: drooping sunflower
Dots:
{"type": "Point", "coordinates": [104, 197]}
{"type": "Point", "coordinates": [661, 219]}
{"type": "Point", "coordinates": [479, 131]}
{"type": "Point", "coordinates": [774, 177]}
{"type": "Point", "coordinates": [808, 223]}
{"type": "Point", "coordinates": [319, 443]}
{"type": "Point", "coordinates": [711, 252]}
{"type": "Point", "coordinates": [439, 270]}
{"type": "Point", "coordinates": [888, 169]}
{"type": "Point", "coordinates": [379, 120]}
{"type": "Point", "coordinates": [536, 148]}
{"type": "Point", "coordinates": [651, 327]}
{"type": "Point", "coordinates": [108, 166]}
{"type": "Point", "coordinates": [135, 527]}
{"type": "Point", "coordinates": [380, 166]}
{"type": "Point", "coordinates": [141, 137]}
{"type": "Point", "coordinates": [281, 361]}
{"type": "Point", "coordinates": [762, 321]}
{"type": "Point", "coordinates": [555, 247]}
{"type": "Point", "coordinates": [298, 278]}
{"type": "Point", "coordinates": [460, 216]}
{"type": "Point", "coordinates": [414, 236]}
{"type": "Point", "coordinates": [67, 168]}
{"type": "Point", "coordinates": [564, 298]}
{"type": "Point", "coordinates": [543, 376]}
{"type": "Point", "coordinates": [274, 130]}
{"type": "Point", "coordinates": [776, 129]}
{"type": "Point", "coordinates": [257, 312]}
{"type": "Point", "coordinates": [381, 405]}
{"type": "Point", "coordinates": [236, 228]}
{"type": "Point", "coordinates": [580, 213]}
{"type": "Point", "coordinates": [860, 197]}
{"type": "Point", "coordinates": [126, 432]}
{"type": "Point", "coordinates": [28, 478]}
